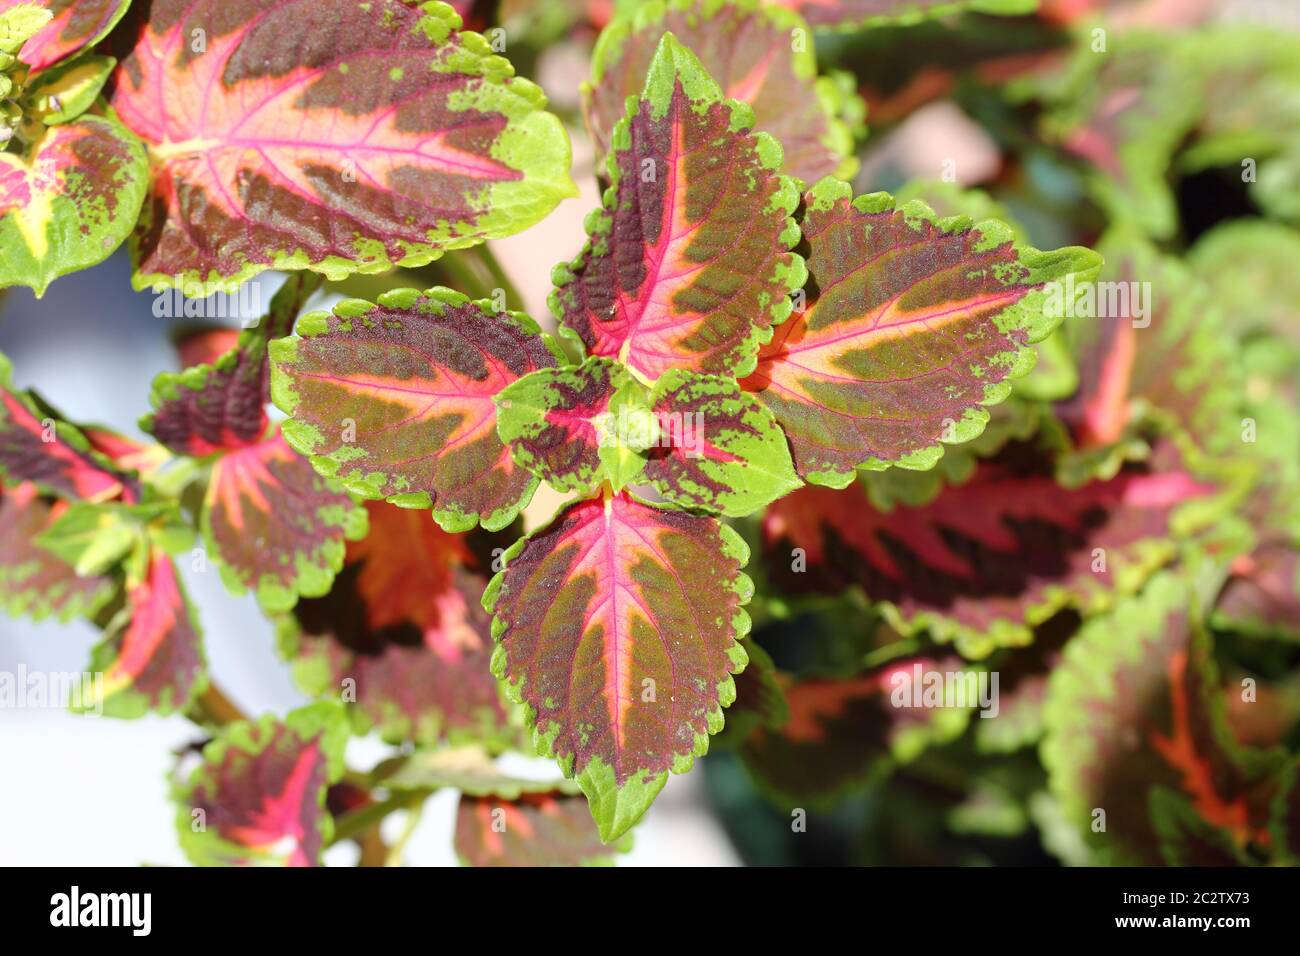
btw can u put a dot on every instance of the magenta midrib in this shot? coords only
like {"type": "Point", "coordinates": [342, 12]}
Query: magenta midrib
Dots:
{"type": "Point", "coordinates": [813, 343]}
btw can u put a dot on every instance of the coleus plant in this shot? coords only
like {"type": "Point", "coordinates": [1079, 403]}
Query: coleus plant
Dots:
{"type": "Point", "coordinates": [744, 353]}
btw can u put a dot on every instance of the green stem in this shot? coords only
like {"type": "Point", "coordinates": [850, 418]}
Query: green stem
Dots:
{"type": "Point", "coordinates": [349, 825]}
{"type": "Point", "coordinates": [408, 830]}
{"type": "Point", "coordinates": [215, 708]}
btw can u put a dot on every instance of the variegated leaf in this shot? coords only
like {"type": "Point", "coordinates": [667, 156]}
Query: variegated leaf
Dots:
{"type": "Point", "coordinates": [989, 559]}
{"type": "Point", "coordinates": [688, 263]}
{"type": "Point", "coordinates": [1134, 707]}
{"type": "Point", "coordinates": [220, 405]}
{"type": "Point", "coordinates": [34, 581]}
{"type": "Point", "coordinates": [276, 526]}
{"type": "Point", "coordinates": [396, 401]}
{"type": "Point", "coordinates": [912, 325]}
{"type": "Point", "coordinates": [69, 200]}
{"type": "Point", "coordinates": [258, 796]}
{"type": "Point", "coordinates": [718, 448]}
{"type": "Point", "coordinates": [754, 53]}
{"type": "Point", "coordinates": [73, 26]}
{"type": "Point", "coordinates": [617, 627]}
{"type": "Point", "coordinates": [387, 138]}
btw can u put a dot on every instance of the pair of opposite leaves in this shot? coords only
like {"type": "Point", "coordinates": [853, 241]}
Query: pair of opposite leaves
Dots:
{"type": "Point", "coordinates": [617, 625]}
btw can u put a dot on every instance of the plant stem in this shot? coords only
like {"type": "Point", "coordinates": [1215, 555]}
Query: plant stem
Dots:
{"type": "Point", "coordinates": [350, 825]}
{"type": "Point", "coordinates": [413, 817]}
{"type": "Point", "coordinates": [214, 707]}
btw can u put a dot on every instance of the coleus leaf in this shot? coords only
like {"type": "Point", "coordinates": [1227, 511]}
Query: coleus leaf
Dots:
{"type": "Point", "coordinates": [61, 94]}
{"type": "Point", "coordinates": [69, 200]}
{"type": "Point", "coordinates": [33, 581]}
{"type": "Point", "coordinates": [128, 454]}
{"type": "Point", "coordinates": [204, 344]}
{"type": "Point", "coordinates": [1251, 264]}
{"type": "Point", "coordinates": [1156, 349]}
{"type": "Point", "coordinates": [849, 14]}
{"type": "Point", "coordinates": [404, 624]}
{"type": "Point", "coordinates": [1262, 595]}
{"type": "Point", "coordinates": [278, 527]}
{"type": "Point", "coordinates": [912, 325]}
{"type": "Point", "coordinates": [151, 657]}
{"type": "Point", "coordinates": [1134, 706]}
{"type": "Point", "coordinates": [390, 139]}
{"type": "Point", "coordinates": [221, 405]}
{"type": "Point", "coordinates": [688, 262]}
{"type": "Point", "coordinates": [987, 560]}
{"type": "Point", "coordinates": [546, 827]}
{"type": "Point", "coordinates": [1285, 828]}
{"type": "Point", "coordinates": [617, 628]}
{"type": "Point", "coordinates": [258, 797]}
{"type": "Point", "coordinates": [1186, 838]}
{"type": "Point", "coordinates": [1247, 76]}
{"type": "Point", "coordinates": [73, 26]}
{"type": "Point", "coordinates": [395, 400]}
{"type": "Point", "coordinates": [1022, 687]}
{"type": "Point", "coordinates": [754, 55]}
{"type": "Point", "coordinates": [469, 768]}
{"type": "Point", "coordinates": [844, 731]}
{"type": "Point", "coordinates": [719, 449]}
{"type": "Point", "coordinates": [1125, 113]}
{"type": "Point", "coordinates": [563, 424]}
{"type": "Point", "coordinates": [697, 439]}
{"type": "Point", "coordinates": [51, 452]}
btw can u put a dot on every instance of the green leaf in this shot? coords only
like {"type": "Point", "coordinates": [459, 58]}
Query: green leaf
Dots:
{"type": "Point", "coordinates": [468, 768]}
{"type": "Point", "coordinates": [62, 93]}
{"type": "Point", "coordinates": [389, 140]}
{"type": "Point", "coordinates": [395, 400]}
{"type": "Point", "coordinates": [19, 22]}
{"type": "Point", "coordinates": [258, 796]}
{"type": "Point", "coordinates": [69, 200]}
{"type": "Point", "coordinates": [94, 537]}
{"type": "Point", "coordinates": [1137, 705]}
{"type": "Point", "coordinates": [617, 628]}
{"type": "Point", "coordinates": [719, 449]}
{"type": "Point", "coordinates": [688, 263]}
{"type": "Point", "coordinates": [571, 426]}
{"type": "Point", "coordinates": [33, 581]}
{"type": "Point", "coordinates": [912, 325]}
{"type": "Point", "coordinates": [1249, 265]}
